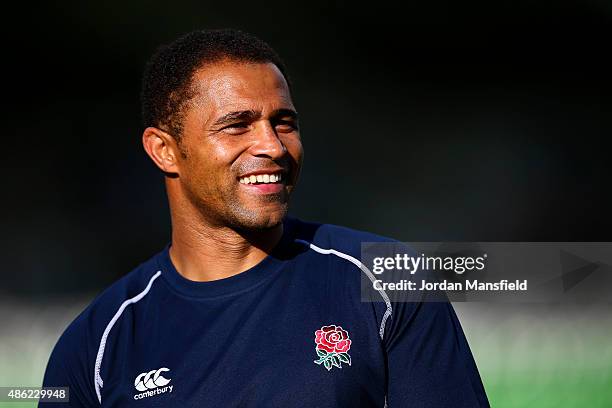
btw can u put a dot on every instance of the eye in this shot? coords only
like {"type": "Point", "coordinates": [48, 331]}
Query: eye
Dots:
{"type": "Point", "coordinates": [241, 125]}
{"type": "Point", "coordinates": [286, 125]}
{"type": "Point", "coordinates": [236, 128]}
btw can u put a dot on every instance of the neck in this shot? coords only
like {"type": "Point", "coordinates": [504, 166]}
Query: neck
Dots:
{"type": "Point", "coordinates": [202, 251]}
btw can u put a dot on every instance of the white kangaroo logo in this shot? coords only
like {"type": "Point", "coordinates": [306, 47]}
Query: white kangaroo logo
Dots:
{"type": "Point", "coordinates": [151, 380]}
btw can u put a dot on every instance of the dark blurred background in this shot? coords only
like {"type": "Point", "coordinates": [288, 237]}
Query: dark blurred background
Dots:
{"type": "Point", "coordinates": [479, 121]}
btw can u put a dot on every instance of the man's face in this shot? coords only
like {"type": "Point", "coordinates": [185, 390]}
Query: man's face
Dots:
{"type": "Point", "coordinates": [242, 145]}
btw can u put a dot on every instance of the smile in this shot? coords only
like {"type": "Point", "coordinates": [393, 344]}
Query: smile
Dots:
{"type": "Point", "coordinates": [261, 178]}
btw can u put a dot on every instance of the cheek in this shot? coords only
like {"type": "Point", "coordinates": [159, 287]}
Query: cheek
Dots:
{"type": "Point", "coordinates": [295, 150]}
{"type": "Point", "coordinates": [224, 153]}
{"type": "Point", "coordinates": [212, 159]}
{"type": "Point", "coordinates": [205, 167]}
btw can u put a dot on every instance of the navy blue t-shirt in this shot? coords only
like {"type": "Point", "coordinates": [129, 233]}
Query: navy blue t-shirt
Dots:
{"type": "Point", "coordinates": [291, 331]}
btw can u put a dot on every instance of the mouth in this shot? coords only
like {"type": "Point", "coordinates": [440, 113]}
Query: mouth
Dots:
{"type": "Point", "coordinates": [263, 182]}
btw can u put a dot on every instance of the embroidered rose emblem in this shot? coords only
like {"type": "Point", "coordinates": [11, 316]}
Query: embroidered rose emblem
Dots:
{"type": "Point", "coordinates": [332, 346]}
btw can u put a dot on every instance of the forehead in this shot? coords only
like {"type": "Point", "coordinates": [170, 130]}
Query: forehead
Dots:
{"type": "Point", "coordinates": [229, 86]}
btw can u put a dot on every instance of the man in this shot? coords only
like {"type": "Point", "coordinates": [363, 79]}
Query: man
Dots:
{"type": "Point", "coordinates": [247, 307]}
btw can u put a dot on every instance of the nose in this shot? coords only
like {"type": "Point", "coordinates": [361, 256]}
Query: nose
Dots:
{"type": "Point", "coordinates": [266, 142]}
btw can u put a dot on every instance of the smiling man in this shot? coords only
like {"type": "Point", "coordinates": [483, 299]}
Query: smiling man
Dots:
{"type": "Point", "coordinates": [247, 307]}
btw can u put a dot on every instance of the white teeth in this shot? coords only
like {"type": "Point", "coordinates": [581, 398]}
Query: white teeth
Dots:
{"type": "Point", "coordinates": [261, 178]}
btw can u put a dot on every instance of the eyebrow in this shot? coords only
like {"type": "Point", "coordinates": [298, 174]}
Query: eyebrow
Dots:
{"type": "Point", "coordinates": [249, 115]}
{"type": "Point", "coordinates": [252, 115]}
{"type": "Point", "coordinates": [285, 112]}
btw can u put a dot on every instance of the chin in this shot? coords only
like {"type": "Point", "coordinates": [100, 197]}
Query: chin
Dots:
{"type": "Point", "coordinates": [260, 219]}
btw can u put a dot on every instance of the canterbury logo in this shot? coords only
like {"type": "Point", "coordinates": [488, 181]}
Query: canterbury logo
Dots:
{"type": "Point", "coordinates": [151, 380]}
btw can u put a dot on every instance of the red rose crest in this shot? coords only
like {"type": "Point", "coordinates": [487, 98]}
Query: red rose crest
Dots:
{"type": "Point", "coordinates": [332, 346]}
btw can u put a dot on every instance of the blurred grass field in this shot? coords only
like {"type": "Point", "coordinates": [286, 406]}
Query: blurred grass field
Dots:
{"type": "Point", "coordinates": [538, 355]}
{"type": "Point", "coordinates": [529, 355]}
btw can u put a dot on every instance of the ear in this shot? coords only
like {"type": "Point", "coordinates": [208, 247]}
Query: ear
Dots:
{"type": "Point", "coordinates": [161, 148]}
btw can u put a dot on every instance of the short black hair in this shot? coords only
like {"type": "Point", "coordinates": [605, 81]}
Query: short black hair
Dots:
{"type": "Point", "coordinates": [167, 78]}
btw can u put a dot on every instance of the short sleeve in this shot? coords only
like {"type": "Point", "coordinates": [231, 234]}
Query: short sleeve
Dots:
{"type": "Point", "coordinates": [70, 366]}
{"type": "Point", "coordinates": [429, 361]}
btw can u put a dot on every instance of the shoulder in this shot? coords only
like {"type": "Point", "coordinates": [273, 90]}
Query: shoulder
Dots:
{"type": "Point", "coordinates": [73, 359]}
{"type": "Point", "coordinates": [134, 284]}
{"type": "Point", "coordinates": [339, 238]}
{"type": "Point", "coordinates": [338, 250]}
